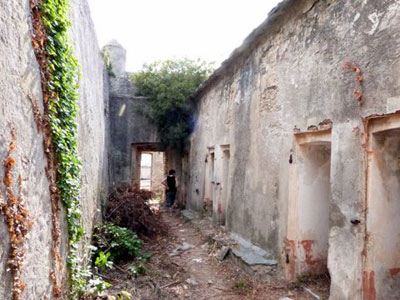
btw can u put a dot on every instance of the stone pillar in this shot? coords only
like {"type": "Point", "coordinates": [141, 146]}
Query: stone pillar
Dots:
{"type": "Point", "coordinates": [115, 57]}
{"type": "Point", "coordinates": [135, 167]}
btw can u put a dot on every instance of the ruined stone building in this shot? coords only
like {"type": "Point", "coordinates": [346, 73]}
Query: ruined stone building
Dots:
{"type": "Point", "coordinates": [105, 148]}
{"type": "Point", "coordinates": [297, 143]}
{"type": "Point", "coordinates": [296, 149]}
{"type": "Point", "coordinates": [19, 84]}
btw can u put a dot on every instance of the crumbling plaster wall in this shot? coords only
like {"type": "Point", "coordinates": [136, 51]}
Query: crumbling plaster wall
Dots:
{"type": "Point", "coordinates": [381, 278]}
{"type": "Point", "coordinates": [19, 77]}
{"type": "Point", "coordinates": [129, 127]}
{"type": "Point", "coordinates": [293, 76]}
{"type": "Point", "coordinates": [157, 173]}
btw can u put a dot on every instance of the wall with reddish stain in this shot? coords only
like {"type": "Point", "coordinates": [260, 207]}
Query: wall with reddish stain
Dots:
{"type": "Point", "coordinates": [290, 78]}
{"type": "Point", "coordinates": [369, 291]}
{"type": "Point", "coordinates": [20, 77]}
{"type": "Point", "coordinates": [313, 207]}
{"type": "Point", "coordinates": [383, 222]}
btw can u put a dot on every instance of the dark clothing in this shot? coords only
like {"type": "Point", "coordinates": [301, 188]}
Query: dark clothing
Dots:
{"type": "Point", "coordinates": [170, 198]}
{"type": "Point", "coordinates": [171, 190]}
{"type": "Point", "coordinates": [171, 183]}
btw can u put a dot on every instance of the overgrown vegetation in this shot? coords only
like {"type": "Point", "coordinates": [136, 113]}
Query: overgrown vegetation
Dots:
{"type": "Point", "coordinates": [168, 86]}
{"type": "Point", "coordinates": [112, 245]}
{"type": "Point", "coordinates": [115, 244]}
{"type": "Point", "coordinates": [63, 108]}
{"type": "Point", "coordinates": [59, 76]}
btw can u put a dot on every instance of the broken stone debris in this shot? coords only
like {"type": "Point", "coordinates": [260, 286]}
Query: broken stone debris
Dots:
{"type": "Point", "coordinates": [251, 258]}
{"type": "Point", "coordinates": [185, 246]}
{"type": "Point", "coordinates": [223, 253]}
{"type": "Point", "coordinates": [182, 248]}
{"type": "Point", "coordinates": [191, 281]}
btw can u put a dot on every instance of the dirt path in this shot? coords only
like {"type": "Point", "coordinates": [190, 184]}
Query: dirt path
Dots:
{"type": "Point", "coordinates": [207, 278]}
{"type": "Point", "coordinates": [184, 266]}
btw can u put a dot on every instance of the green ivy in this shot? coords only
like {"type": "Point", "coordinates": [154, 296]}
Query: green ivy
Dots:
{"type": "Point", "coordinates": [119, 243]}
{"type": "Point", "coordinates": [63, 109]}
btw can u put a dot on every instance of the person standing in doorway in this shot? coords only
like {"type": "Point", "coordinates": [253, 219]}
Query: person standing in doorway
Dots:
{"type": "Point", "coordinates": [171, 186]}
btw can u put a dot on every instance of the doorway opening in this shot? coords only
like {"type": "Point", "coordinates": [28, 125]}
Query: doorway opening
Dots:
{"type": "Point", "coordinates": [309, 206]}
{"type": "Point", "coordinates": [209, 182]}
{"type": "Point", "coordinates": [152, 172]}
{"type": "Point", "coordinates": [148, 167]}
{"type": "Point", "coordinates": [146, 171]}
{"type": "Point", "coordinates": [222, 188]}
{"type": "Point", "coordinates": [382, 272]}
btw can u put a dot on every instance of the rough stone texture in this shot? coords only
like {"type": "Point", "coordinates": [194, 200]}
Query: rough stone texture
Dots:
{"type": "Point", "coordinates": [127, 125]}
{"type": "Point", "coordinates": [131, 133]}
{"type": "Point", "coordinates": [290, 74]}
{"type": "Point", "coordinates": [221, 255]}
{"type": "Point", "coordinates": [252, 258]}
{"type": "Point", "coordinates": [19, 77]}
{"type": "Point", "coordinates": [117, 56]}
{"type": "Point", "coordinates": [93, 119]}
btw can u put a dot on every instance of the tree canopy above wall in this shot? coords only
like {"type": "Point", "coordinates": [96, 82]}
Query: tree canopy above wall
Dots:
{"type": "Point", "coordinates": [168, 86]}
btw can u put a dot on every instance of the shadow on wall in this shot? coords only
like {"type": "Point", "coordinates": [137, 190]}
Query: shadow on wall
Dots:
{"type": "Point", "coordinates": [309, 206]}
{"type": "Point", "coordinates": [382, 273]}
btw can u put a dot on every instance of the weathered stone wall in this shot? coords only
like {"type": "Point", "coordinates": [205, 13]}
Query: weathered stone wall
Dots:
{"type": "Point", "coordinates": [292, 76]}
{"type": "Point", "coordinates": [93, 118]}
{"type": "Point", "coordinates": [157, 173]}
{"type": "Point", "coordinates": [127, 125]}
{"type": "Point", "coordinates": [19, 77]}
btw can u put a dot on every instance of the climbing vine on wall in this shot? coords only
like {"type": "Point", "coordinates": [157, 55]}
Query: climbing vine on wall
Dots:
{"type": "Point", "coordinates": [16, 218]}
{"type": "Point", "coordinates": [59, 76]}
{"type": "Point", "coordinates": [43, 124]}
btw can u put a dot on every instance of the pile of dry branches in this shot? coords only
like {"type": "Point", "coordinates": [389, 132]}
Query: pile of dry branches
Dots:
{"type": "Point", "coordinates": [129, 208]}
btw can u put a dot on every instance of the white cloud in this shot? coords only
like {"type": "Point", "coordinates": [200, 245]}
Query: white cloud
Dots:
{"type": "Point", "coordinates": [162, 29]}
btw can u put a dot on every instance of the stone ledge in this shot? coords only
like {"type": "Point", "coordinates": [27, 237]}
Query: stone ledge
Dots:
{"type": "Point", "coordinates": [251, 258]}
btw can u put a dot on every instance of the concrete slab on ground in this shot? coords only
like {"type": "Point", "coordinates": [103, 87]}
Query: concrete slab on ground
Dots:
{"type": "Point", "coordinates": [251, 258]}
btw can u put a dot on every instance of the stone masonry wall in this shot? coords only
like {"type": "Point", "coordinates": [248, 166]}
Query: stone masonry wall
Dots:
{"type": "Point", "coordinates": [93, 118]}
{"type": "Point", "coordinates": [127, 125]}
{"type": "Point", "coordinates": [293, 77]}
{"type": "Point", "coordinates": [19, 77]}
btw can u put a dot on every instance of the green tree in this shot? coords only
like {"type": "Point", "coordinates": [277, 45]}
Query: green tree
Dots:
{"type": "Point", "coordinates": [168, 86]}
